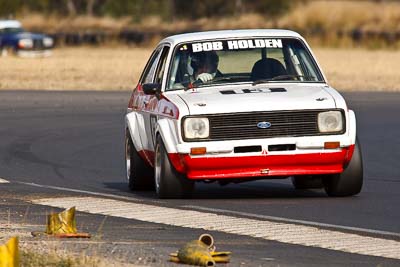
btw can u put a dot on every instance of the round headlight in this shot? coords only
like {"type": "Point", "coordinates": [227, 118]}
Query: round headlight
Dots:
{"type": "Point", "coordinates": [48, 42]}
{"type": "Point", "coordinates": [196, 128]}
{"type": "Point", "coordinates": [330, 121]}
{"type": "Point", "coordinates": [25, 43]}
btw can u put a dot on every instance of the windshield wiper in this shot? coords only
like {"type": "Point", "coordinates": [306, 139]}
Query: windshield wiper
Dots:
{"type": "Point", "coordinates": [196, 83]}
{"type": "Point", "coordinates": [229, 78]}
{"type": "Point", "coordinates": [283, 77]}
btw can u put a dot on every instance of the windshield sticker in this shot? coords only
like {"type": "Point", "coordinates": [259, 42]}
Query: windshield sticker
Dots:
{"type": "Point", "coordinates": [207, 46]}
{"type": "Point", "coordinates": [235, 45]}
{"type": "Point", "coordinates": [257, 43]}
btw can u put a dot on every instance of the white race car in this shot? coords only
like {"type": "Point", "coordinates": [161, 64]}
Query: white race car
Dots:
{"type": "Point", "coordinates": [234, 106]}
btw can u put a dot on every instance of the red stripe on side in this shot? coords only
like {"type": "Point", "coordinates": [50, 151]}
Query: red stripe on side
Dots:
{"type": "Point", "coordinates": [167, 108]}
{"type": "Point", "coordinates": [176, 159]}
{"type": "Point", "coordinates": [147, 156]}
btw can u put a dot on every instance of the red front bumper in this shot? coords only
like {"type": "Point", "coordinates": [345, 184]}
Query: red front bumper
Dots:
{"type": "Point", "coordinates": [261, 165]}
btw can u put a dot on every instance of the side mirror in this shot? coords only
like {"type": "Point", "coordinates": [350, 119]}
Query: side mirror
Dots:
{"type": "Point", "coordinates": [151, 88]}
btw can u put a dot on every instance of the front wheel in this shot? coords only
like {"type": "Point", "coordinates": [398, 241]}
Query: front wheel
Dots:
{"type": "Point", "coordinates": [349, 182]}
{"type": "Point", "coordinates": [169, 183]}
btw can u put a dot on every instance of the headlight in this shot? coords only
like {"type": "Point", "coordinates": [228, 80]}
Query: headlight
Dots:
{"type": "Point", "coordinates": [25, 43]}
{"type": "Point", "coordinates": [196, 128]}
{"type": "Point", "coordinates": [48, 42]}
{"type": "Point", "coordinates": [330, 121]}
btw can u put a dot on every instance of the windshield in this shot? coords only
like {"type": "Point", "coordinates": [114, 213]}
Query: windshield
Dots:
{"type": "Point", "coordinates": [254, 60]}
{"type": "Point", "coordinates": [11, 30]}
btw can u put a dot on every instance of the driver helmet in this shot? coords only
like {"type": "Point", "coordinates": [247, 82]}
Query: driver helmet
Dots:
{"type": "Point", "coordinates": [208, 60]}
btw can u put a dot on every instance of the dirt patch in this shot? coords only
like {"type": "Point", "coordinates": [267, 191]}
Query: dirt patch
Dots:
{"type": "Point", "coordinates": [119, 68]}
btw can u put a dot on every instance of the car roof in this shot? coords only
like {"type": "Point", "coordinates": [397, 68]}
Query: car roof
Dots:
{"type": "Point", "coordinates": [209, 35]}
{"type": "Point", "coordinates": [10, 24]}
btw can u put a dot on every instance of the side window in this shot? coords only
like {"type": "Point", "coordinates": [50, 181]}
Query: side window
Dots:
{"type": "Point", "coordinates": [151, 67]}
{"type": "Point", "coordinates": [161, 66]}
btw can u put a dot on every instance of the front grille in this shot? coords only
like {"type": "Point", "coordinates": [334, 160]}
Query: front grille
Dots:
{"type": "Point", "coordinates": [283, 124]}
{"type": "Point", "coordinates": [38, 44]}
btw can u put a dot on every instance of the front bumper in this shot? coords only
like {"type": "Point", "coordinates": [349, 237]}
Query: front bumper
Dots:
{"type": "Point", "coordinates": [34, 53]}
{"type": "Point", "coordinates": [215, 167]}
{"type": "Point", "coordinates": [221, 162]}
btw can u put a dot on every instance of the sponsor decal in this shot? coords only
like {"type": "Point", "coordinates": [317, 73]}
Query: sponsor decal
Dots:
{"type": "Point", "coordinates": [256, 43]}
{"type": "Point", "coordinates": [207, 46]}
{"type": "Point", "coordinates": [235, 45]}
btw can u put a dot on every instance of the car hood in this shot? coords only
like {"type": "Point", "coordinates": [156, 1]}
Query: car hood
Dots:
{"type": "Point", "coordinates": [28, 35]}
{"type": "Point", "coordinates": [209, 100]}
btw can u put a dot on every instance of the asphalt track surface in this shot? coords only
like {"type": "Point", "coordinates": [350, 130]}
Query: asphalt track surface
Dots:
{"type": "Point", "coordinates": [75, 140]}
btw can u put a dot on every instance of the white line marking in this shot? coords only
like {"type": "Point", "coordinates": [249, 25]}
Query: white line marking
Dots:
{"type": "Point", "coordinates": [251, 215]}
{"type": "Point", "coordinates": [287, 220]}
{"type": "Point", "coordinates": [82, 191]}
{"type": "Point", "coordinates": [270, 230]}
{"type": "Point", "coordinates": [3, 181]}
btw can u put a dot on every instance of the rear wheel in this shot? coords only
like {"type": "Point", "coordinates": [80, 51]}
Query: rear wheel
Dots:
{"type": "Point", "coordinates": [307, 182]}
{"type": "Point", "coordinates": [350, 181]}
{"type": "Point", "coordinates": [169, 183]}
{"type": "Point", "coordinates": [138, 173]}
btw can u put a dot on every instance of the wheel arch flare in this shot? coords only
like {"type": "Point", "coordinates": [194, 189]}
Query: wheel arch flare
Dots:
{"type": "Point", "coordinates": [132, 126]}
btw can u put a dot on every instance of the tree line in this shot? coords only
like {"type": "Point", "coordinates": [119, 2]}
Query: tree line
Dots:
{"type": "Point", "coordinates": [137, 9]}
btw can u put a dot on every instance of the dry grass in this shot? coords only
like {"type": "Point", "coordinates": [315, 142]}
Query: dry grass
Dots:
{"type": "Point", "coordinates": [330, 15]}
{"type": "Point", "coordinates": [359, 69]}
{"type": "Point", "coordinates": [30, 258]}
{"type": "Point", "coordinates": [54, 23]}
{"type": "Point", "coordinates": [119, 69]}
{"type": "Point", "coordinates": [75, 69]}
{"type": "Point", "coordinates": [345, 15]}
{"type": "Point", "coordinates": [54, 252]}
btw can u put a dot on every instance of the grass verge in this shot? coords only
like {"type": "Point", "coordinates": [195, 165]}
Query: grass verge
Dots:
{"type": "Point", "coordinates": [30, 258]}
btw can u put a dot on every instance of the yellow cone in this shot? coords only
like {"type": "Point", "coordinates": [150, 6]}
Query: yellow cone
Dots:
{"type": "Point", "coordinates": [196, 253]}
{"type": "Point", "coordinates": [200, 252]}
{"type": "Point", "coordinates": [61, 223]}
{"type": "Point", "coordinates": [9, 254]}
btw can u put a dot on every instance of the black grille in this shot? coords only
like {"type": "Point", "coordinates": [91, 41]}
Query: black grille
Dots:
{"type": "Point", "coordinates": [283, 124]}
{"type": "Point", "coordinates": [38, 44]}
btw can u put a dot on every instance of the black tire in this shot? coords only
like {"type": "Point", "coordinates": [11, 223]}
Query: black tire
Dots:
{"type": "Point", "coordinates": [168, 182]}
{"type": "Point", "coordinates": [138, 173]}
{"type": "Point", "coordinates": [3, 52]}
{"type": "Point", "coordinates": [7, 51]}
{"type": "Point", "coordinates": [307, 182]}
{"type": "Point", "coordinates": [350, 181]}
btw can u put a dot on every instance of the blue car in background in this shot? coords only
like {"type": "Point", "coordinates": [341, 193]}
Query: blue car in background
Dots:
{"type": "Point", "coordinates": [14, 39]}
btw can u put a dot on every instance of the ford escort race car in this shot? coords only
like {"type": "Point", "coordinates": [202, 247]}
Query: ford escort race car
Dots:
{"type": "Point", "coordinates": [14, 39]}
{"type": "Point", "coordinates": [234, 106]}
